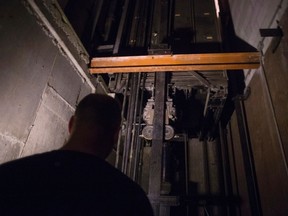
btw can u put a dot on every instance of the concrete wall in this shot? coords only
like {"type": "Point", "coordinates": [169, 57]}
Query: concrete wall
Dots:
{"type": "Point", "coordinates": [41, 82]}
{"type": "Point", "coordinates": [266, 110]}
{"type": "Point", "coordinates": [251, 15]}
{"type": "Point", "coordinates": [205, 174]}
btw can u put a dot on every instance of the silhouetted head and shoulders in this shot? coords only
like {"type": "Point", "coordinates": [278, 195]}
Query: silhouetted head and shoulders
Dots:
{"type": "Point", "coordinates": [75, 179]}
{"type": "Point", "coordinates": [95, 126]}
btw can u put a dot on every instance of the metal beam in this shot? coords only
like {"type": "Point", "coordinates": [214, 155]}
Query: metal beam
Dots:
{"type": "Point", "coordinates": [183, 62]}
{"type": "Point", "coordinates": [157, 142]}
{"type": "Point", "coordinates": [201, 79]}
{"type": "Point", "coordinates": [121, 27]}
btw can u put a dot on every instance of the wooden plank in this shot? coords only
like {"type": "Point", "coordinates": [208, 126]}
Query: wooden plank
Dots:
{"type": "Point", "coordinates": [176, 63]}
{"type": "Point", "coordinates": [183, 59]}
{"type": "Point", "coordinates": [210, 67]}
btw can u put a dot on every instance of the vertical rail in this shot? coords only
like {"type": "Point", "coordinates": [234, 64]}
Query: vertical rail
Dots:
{"type": "Point", "coordinates": [193, 22]}
{"type": "Point", "coordinates": [122, 119]}
{"type": "Point", "coordinates": [121, 27]}
{"type": "Point", "coordinates": [139, 140]}
{"type": "Point", "coordinates": [157, 141]}
{"type": "Point", "coordinates": [128, 141]}
{"type": "Point", "coordinates": [97, 8]}
{"type": "Point", "coordinates": [135, 111]}
{"type": "Point", "coordinates": [248, 159]}
{"type": "Point", "coordinates": [166, 171]}
{"type": "Point", "coordinates": [233, 165]}
{"type": "Point", "coordinates": [160, 27]}
{"type": "Point", "coordinates": [186, 149]}
{"type": "Point", "coordinates": [226, 169]}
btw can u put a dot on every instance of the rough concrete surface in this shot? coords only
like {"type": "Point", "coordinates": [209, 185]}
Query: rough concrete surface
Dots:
{"type": "Point", "coordinates": [39, 86]}
{"type": "Point", "coordinates": [258, 14]}
{"type": "Point", "coordinates": [50, 128]}
{"type": "Point", "coordinates": [85, 90]}
{"type": "Point", "coordinates": [267, 145]}
{"type": "Point", "coordinates": [276, 67]}
{"type": "Point", "coordinates": [10, 148]}
{"type": "Point", "coordinates": [270, 170]}
{"type": "Point", "coordinates": [26, 59]}
{"type": "Point", "coordinates": [65, 80]}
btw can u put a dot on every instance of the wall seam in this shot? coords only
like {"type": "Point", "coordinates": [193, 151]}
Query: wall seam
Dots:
{"type": "Point", "coordinates": [38, 108]}
{"type": "Point", "coordinates": [249, 74]}
{"type": "Point", "coordinates": [272, 109]}
{"type": "Point", "coordinates": [61, 43]}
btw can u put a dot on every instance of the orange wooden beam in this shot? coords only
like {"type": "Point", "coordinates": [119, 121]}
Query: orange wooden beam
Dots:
{"type": "Point", "coordinates": [183, 62]}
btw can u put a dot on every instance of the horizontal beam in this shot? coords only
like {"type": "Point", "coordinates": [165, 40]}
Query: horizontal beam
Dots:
{"type": "Point", "coordinates": [183, 62]}
{"type": "Point", "coordinates": [184, 59]}
{"type": "Point", "coordinates": [172, 68]}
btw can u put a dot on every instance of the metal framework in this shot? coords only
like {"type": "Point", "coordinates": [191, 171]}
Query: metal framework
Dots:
{"type": "Point", "coordinates": [175, 63]}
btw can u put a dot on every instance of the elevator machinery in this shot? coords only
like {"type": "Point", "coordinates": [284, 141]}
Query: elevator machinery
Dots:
{"type": "Point", "coordinates": [164, 61]}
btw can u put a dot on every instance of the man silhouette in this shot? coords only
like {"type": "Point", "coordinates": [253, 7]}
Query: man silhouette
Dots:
{"type": "Point", "coordinates": [76, 179]}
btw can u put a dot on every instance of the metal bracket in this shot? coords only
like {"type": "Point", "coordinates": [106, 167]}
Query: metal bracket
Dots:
{"type": "Point", "coordinates": [275, 32]}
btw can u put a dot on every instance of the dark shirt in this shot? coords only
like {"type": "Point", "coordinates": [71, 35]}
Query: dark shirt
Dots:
{"type": "Point", "coordinates": [68, 183]}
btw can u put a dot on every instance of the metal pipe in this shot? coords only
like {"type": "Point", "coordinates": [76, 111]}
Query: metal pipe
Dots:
{"type": "Point", "coordinates": [127, 143]}
{"type": "Point", "coordinates": [165, 165]}
{"type": "Point", "coordinates": [139, 141]}
{"type": "Point", "coordinates": [133, 28]}
{"type": "Point", "coordinates": [233, 164]}
{"type": "Point", "coordinates": [143, 29]}
{"type": "Point", "coordinates": [186, 149]}
{"type": "Point", "coordinates": [132, 146]}
{"type": "Point", "coordinates": [193, 22]}
{"type": "Point", "coordinates": [226, 173]}
{"type": "Point", "coordinates": [122, 119]}
{"type": "Point", "coordinates": [206, 168]}
{"type": "Point", "coordinates": [110, 19]}
{"type": "Point", "coordinates": [127, 133]}
{"type": "Point", "coordinates": [97, 8]}
{"type": "Point", "coordinates": [121, 27]}
{"type": "Point", "coordinates": [206, 102]}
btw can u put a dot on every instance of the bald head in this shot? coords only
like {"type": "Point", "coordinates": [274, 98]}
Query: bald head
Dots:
{"type": "Point", "coordinates": [95, 125]}
{"type": "Point", "coordinates": [101, 111]}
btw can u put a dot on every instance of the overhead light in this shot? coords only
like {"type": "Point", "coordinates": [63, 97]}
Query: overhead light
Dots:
{"type": "Point", "coordinates": [216, 3]}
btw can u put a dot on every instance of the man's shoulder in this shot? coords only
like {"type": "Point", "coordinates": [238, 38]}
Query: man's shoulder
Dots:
{"type": "Point", "coordinates": [69, 175]}
{"type": "Point", "coordinates": [65, 163]}
{"type": "Point", "coordinates": [33, 161]}
{"type": "Point", "coordinates": [24, 161]}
